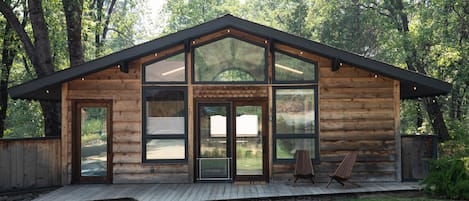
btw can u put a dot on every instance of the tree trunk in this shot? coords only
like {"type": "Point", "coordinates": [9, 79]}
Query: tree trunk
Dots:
{"type": "Point", "coordinates": [108, 19]}
{"type": "Point", "coordinates": [419, 122]}
{"type": "Point", "coordinates": [46, 67]}
{"type": "Point", "coordinates": [42, 51]}
{"type": "Point", "coordinates": [436, 118]}
{"type": "Point", "coordinates": [73, 15]}
{"type": "Point", "coordinates": [51, 113]}
{"type": "Point", "coordinates": [8, 55]}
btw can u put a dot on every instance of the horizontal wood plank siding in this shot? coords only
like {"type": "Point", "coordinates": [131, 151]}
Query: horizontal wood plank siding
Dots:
{"type": "Point", "coordinates": [357, 113]}
{"type": "Point", "coordinates": [29, 163]}
{"type": "Point", "coordinates": [124, 89]}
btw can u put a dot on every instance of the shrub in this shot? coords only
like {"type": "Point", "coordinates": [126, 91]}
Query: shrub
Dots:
{"type": "Point", "coordinates": [448, 177]}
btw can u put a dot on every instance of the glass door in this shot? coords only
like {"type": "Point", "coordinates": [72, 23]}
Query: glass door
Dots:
{"type": "Point", "coordinates": [250, 141]}
{"type": "Point", "coordinates": [92, 143]}
{"type": "Point", "coordinates": [231, 142]}
{"type": "Point", "coordinates": [214, 152]}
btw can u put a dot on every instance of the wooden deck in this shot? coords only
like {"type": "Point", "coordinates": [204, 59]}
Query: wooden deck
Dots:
{"type": "Point", "coordinates": [215, 191]}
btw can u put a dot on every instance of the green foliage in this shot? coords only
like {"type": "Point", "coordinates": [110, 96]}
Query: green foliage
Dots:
{"type": "Point", "coordinates": [24, 119]}
{"type": "Point", "coordinates": [458, 146]}
{"type": "Point", "coordinates": [391, 199]}
{"type": "Point", "coordinates": [448, 177]}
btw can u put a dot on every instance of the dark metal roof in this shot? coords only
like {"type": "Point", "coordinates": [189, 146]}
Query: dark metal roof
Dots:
{"type": "Point", "coordinates": [413, 85]}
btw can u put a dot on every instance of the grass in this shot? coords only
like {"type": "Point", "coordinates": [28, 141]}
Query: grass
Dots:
{"type": "Point", "coordinates": [392, 199]}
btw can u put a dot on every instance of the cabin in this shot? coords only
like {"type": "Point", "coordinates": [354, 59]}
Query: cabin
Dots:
{"type": "Point", "coordinates": [228, 100]}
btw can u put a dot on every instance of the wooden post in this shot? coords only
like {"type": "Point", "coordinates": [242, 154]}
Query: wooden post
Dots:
{"type": "Point", "coordinates": [397, 109]}
{"type": "Point", "coordinates": [190, 118]}
{"type": "Point", "coordinates": [65, 138]}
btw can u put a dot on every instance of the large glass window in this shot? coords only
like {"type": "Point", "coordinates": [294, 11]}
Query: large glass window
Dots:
{"type": "Point", "coordinates": [171, 69]}
{"type": "Point", "coordinates": [295, 122]}
{"type": "Point", "coordinates": [230, 60]}
{"type": "Point", "coordinates": [165, 128]}
{"type": "Point", "coordinates": [291, 69]}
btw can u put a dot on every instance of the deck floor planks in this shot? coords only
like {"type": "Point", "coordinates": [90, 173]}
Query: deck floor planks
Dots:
{"type": "Point", "coordinates": [152, 191]}
{"type": "Point", "coordinates": [213, 191]}
{"type": "Point", "coordinates": [218, 192]}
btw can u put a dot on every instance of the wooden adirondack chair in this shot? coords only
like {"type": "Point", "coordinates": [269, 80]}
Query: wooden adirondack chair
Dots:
{"type": "Point", "coordinates": [303, 166]}
{"type": "Point", "coordinates": [344, 171]}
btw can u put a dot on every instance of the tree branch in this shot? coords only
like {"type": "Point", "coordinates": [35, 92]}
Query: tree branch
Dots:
{"type": "Point", "coordinates": [108, 19]}
{"type": "Point", "coordinates": [12, 19]}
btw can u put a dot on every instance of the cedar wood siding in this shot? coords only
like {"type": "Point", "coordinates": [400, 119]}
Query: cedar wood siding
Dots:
{"type": "Point", "coordinates": [125, 92]}
{"type": "Point", "coordinates": [357, 112]}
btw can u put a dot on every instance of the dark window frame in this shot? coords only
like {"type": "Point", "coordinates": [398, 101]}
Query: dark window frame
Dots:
{"type": "Point", "coordinates": [266, 63]}
{"type": "Point", "coordinates": [144, 69]}
{"type": "Point", "coordinates": [276, 136]}
{"type": "Point", "coordinates": [146, 137]}
{"type": "Point", "coordinates": [275, 81]}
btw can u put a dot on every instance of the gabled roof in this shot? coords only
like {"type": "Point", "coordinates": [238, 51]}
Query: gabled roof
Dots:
{"type": "Point", "coordinates": [49, 87]}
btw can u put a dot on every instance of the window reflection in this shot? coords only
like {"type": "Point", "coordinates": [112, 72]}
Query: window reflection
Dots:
{"type": "Point", "coordinates": [93, 141]}
{"type": "Point", "coordinates": [295, 111]}
{"type": "Point", "coordinates": [286, 148]}
{"type": "Point", "coordinates": [289, 68]}
{"type": "Point", "coordinates": [165, 112]}
{"type": "Point", "coordinates": [229, 60]}
{"type": "Point", "coordinates": [171, 69]}
{"type": "Point", "coordinates": [165, 149]}
{"type": "Point", "coordinates": [165, 126]}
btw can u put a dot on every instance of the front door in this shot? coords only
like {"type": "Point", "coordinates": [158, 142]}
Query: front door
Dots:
{"type": "Point", "coordinates": [231, 141]}
{"type": "Point", "coordinates": [92, 139]}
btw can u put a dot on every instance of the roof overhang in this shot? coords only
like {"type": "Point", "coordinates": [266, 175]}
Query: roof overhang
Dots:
{"type": "Point", "coordinates": [413, 85]}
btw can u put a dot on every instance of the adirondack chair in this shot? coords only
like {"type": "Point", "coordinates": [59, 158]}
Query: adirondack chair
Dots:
{"type": "Point", "coordinates": [303, 166]}
{"type": "Point", "coordinates": [344, 171]}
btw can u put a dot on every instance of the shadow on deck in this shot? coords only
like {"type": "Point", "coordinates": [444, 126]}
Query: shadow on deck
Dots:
{"type": "Point", "coordinates": [219, 191]}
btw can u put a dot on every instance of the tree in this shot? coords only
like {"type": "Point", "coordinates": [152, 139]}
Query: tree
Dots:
{"type": "Point", "coordinates": [39, 53]}
{"type": "Point", "coordinates": [46, 47]}
{"type": "Point", "coordinates": [9, 51]}
{"type": "Point", "coordinates": [73, 13]}
{"type": "Point", "coordinates": [419, 42]}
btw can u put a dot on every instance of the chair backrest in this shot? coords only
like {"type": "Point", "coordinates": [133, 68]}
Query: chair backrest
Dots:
{"type": "Point", "coordinates": [303, 165]}
{"type": "Point", "coordinates": [344, 170]}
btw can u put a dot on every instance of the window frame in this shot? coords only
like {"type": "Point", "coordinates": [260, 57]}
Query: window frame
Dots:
{"type": "Point", "coordinates": [266, 63]}
{"type": "Point", "coordinates": [275, 81]}
{"type": "Point", "coordinates": [146, 136]}
{"type": "Point", "coordinates": [144, 68]}
{"type": "Point", "coordinates": [276, 136]}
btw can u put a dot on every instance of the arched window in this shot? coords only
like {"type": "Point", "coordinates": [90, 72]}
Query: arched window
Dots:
{"type": "Point", "coordinates": [229, 60]}
{"type": "Point", "coordinates": [234, 75]}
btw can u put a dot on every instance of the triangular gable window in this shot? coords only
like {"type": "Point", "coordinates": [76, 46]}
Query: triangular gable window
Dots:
{"type": "Point", "coordinates": [292, 69]}
{"type": "Point", "coordinates": [230, 60]}
{"type": "Point", "coordinates": [169, 69]}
